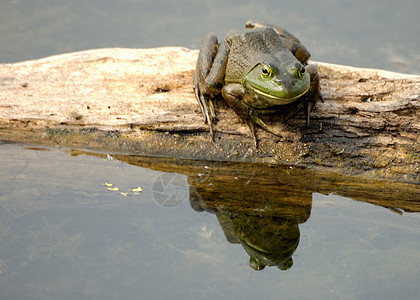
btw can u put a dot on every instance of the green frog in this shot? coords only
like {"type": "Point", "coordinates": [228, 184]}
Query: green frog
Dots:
{"type": "Point", "coordinates": [257, 70]}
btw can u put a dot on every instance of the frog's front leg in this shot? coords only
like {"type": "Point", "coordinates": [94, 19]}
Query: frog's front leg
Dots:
{"type": "Point", "coordinates": [314, 93]}
{"type": "Point", "coordinates": [235, 95]}
{"type": "Point", "coordinates": [209, 76]}
{"type": "Point", "coordinates": [309, 100]}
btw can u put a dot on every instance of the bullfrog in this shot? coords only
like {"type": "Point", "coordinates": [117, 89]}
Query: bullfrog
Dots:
{"type": "Point", "coordinates": [257, 70]}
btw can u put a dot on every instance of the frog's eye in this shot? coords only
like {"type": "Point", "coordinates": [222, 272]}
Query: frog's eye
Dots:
{"type": "Point", "coordinates": [301, 71]}
{"type": "Point", "coordinates": [297, 69]}
{"type": "Point", "coordinates": [266, 71]}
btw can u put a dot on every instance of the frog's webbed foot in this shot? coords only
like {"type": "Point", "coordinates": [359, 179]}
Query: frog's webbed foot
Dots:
{"type": "Point", "coordinates": [234, 95]}
{"type": "Point", "coordinates": [209, 76]}
{"type": "Point", "coordinates": [256, 120]}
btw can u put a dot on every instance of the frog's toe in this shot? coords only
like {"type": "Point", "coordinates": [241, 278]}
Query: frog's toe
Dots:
{"type": "Point", "coordinates": [266, 127]}
{"type": "Point", "coordinates": [212, 112]}
{"type": "Point", "coordinates": [308, 109]}
{"type": "Point", "coordinates": [211, 132]}
{"type": "Point", "coordinates": [251, 127]}
{"type": "Point", "coordinates": [272, 131]}
{"type": "Point", "coordinates": [207, 108]}
{"type": "Point", "coordinates": [320, 97]}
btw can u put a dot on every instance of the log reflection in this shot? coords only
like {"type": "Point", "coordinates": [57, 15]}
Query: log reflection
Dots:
{"type": "Point", "coordinates": [261, 206]}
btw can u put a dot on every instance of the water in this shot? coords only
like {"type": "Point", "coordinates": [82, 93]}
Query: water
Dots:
{"type": "Point", "coordinates": [378, 33]}
{"type": "Point", "coordinates": [181, 232]}
{"type": "Point", "coordinates": [67, 233]}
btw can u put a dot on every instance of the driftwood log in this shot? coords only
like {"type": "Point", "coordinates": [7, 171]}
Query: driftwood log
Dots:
{"type": "Point", "coordinates": [141, 101]}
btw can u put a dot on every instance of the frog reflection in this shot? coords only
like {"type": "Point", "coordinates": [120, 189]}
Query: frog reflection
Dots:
{"type": "Point", "coordinates": [268, 240]}
{"type": "Point", "coordinates": [261, 216]}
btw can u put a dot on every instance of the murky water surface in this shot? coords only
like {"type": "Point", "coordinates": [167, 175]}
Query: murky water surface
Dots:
{"type": "Point", "coordinates": [76, 226]}
{"type": "Point", "coordinates": [377, 33]}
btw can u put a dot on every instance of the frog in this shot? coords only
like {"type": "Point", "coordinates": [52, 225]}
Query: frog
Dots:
{"type": "Point", "coordinates": [257, 70]}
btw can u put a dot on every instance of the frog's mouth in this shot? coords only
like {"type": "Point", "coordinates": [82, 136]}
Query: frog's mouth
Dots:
{"type": "Point", "coordinates": [278, 99]}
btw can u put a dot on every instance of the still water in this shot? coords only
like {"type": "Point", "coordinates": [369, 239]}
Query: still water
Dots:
{"type": "Point", "coordinates": [78, 225]}
{"type": "Point", "coordinates": [378, 33]}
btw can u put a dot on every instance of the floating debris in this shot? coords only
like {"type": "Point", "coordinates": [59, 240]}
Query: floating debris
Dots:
{"type": "Point", "coordinates": [137, 190]}
{"type": "Point", "coordinates": [112, 188]}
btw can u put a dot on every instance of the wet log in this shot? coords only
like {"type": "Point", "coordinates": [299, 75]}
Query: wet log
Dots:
{"type": "Point", "coordinates": [141, 101]}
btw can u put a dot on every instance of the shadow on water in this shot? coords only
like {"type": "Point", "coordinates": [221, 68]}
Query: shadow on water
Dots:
{"type": "Point", "coordinates": [260, 206]}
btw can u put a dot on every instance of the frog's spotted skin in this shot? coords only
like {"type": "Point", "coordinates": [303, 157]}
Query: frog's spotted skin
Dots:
{"type": "Point", "coordinates": [255, 69]}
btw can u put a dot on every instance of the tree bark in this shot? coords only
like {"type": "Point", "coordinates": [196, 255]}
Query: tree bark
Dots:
{"type": "Point", "coordinates": [141, 101]}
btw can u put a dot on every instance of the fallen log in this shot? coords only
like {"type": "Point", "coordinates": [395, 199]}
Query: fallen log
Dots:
{"type": "Point", "coordinates": [140, 101]}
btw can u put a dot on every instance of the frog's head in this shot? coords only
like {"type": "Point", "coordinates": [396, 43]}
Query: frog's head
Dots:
{"type": "Point", "coordinates": [277, 86]}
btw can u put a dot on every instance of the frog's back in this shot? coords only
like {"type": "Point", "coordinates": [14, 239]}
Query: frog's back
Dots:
{"type": "Point", "coordinates": [252, 46]}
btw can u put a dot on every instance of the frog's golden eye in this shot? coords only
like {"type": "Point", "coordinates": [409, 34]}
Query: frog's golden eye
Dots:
{"type": "Point", "coordinates": [266, 71]}
{"type": "Point", "coordinates": [297, 69]}
{"type": "Point", "coordinates": [301, 71]}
